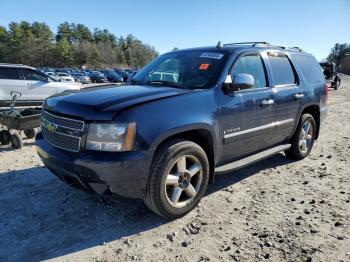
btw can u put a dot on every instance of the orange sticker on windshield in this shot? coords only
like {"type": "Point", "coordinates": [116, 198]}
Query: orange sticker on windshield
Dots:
{"type": "Point", "coordinates": [203, 66]}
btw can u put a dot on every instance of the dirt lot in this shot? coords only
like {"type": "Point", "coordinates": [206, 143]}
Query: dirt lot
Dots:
{"type": "Point", "coordinates": [276, 210]}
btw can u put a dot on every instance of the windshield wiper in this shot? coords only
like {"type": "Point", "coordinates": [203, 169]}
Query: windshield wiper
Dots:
{"type": "Point", "coordinates": [165, 83]}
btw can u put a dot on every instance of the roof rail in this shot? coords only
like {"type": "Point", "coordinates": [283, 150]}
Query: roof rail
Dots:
{"type": "Point", "coordinates": [12, 64]}
{"type": "Point", "coordinates": [296, 48]}
{"type": "Point", "coordinates": [249, 43]}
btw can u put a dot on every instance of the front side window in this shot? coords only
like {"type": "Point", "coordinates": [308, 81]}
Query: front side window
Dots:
{"type": "Point", "coordinates": [252, 65]}
{"type": "Point", "coordinates": [282, 70]}
{"type": "Point", "coordinates": [8, 73]}
{"type": "Point", "coordinates": [32, 75]}
{"type": "Point", "coordinates": [187, 69]}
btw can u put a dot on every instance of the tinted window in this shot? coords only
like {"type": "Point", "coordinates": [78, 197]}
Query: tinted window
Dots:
{"type": "Point", "coordinates": [310, 68]}
{"type": "Point", "coordinates": [282, 70]}
{"type": "Point", "coordinates": [32, 75]}
{"type": "Point", "coordinates": [253, 65]}
{"type": "Point", "coordinates": [8, 73]}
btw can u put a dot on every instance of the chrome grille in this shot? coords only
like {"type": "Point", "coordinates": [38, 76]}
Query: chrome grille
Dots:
{"type": "Point", "coordinates": [67, 142]}
{"type": "Point", "coordinates": [65, 122]}
{"type": "Point", "coordinates": [58, 131]}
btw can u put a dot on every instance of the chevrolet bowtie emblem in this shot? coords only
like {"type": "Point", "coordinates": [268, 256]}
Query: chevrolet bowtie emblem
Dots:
{"type": "Point", "coordinates": [51, 127]}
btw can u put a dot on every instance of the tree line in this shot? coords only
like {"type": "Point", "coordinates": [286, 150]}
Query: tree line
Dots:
{"type": "Point", "coordinates": [340, 55]}
{"type": "Point", "coordinates": [74, 45]}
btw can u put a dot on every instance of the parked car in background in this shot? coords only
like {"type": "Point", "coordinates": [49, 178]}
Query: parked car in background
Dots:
{"type": "Point", "coordinates": [332, 77]}
{"type": "Point", "coordinates": [33, 85]}
{"type": "Point", "coordinates": [82, 78]}
{"type": "Point", "coordinates": [53, 75]}
{"type": "Point", "coordinates": [112, 76]}
{"type": "Point", "coordinates": [123, 73]}
{"type": "Point", "coordinates": [98, 77]}
{"type": "Point", "coordinates": [65, 77]}
{"type": "Point", "coordinates": [166, 135]}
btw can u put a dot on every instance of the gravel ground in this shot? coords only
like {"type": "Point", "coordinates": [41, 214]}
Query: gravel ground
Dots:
{"type": "Point", "coordinates": [275, 210]}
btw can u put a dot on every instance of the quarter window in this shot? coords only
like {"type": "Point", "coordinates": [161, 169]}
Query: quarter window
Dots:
{"type": "Point", "coordinates": [252, 65]}
{"type": "Point", "coordinates": [8, 73]}
{"type": "Point", "coordinates": [32, 75]}
{"type": "Point", "coordinates": [282, 70]}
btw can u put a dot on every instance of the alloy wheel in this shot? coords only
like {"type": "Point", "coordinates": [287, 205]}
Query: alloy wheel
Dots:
{"type": "Point", "coordinates": [183, 181]}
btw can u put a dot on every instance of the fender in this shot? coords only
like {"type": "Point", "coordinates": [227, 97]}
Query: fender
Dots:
{"type": "Point", "coordinates": [191, 127]}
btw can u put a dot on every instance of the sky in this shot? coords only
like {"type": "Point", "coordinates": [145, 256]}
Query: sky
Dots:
{"type": "Point", "coordinates": [314, 25]}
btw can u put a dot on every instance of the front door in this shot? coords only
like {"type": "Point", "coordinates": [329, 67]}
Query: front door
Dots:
{"type": "Point", "coordinates": [247, 116]}
{"type": "Point", "coordinates": [38, 85]}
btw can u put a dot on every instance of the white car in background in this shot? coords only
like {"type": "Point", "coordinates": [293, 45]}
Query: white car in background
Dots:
{"type": "Point", "coordinates": [65, 77]}
{"type": "Point", "coordinates": [34, 85]}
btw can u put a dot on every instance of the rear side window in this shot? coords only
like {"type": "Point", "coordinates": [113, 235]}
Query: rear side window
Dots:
{"type": "Point", "coordinates": [8, 73]}
{"type": "Point", "coordinates": [252, 65]}
{"type": "Point", "coordinates": [282, 70]}
{"type": "Point", "coordinates": [309, 67]}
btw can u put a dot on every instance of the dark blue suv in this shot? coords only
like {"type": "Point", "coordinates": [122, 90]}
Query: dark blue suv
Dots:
{"type": "Point", "coordinates": [187, 116]}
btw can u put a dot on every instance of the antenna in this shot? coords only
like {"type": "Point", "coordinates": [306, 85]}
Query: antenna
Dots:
{"type": "Point", "coordinates": [219, 45]}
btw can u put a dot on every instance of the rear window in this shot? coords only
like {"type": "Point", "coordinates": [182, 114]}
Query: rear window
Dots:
{"type": "Point", "coordinates": [309, 67]}
{"type": "Point", "coordinates": [282, 70]}
{"type": "Point", "coordinates": [8, 73]}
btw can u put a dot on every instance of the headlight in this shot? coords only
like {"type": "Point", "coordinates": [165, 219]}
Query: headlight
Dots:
{"type": "Point", "coordinates": [114, 137]}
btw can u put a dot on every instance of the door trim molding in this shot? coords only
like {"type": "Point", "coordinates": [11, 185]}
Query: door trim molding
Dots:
{"type": "Point", "coordinates": [258, 128]}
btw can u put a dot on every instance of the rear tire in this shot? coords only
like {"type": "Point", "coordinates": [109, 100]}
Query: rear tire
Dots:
{"type": "Point", "coordinates": [179, 177]}
{"type": "Point", "coordinates": [303, 138]}
{"type": "Point", "coordinates": [5, 137]}
{"type": "Point", "coordinates": [16, 140]}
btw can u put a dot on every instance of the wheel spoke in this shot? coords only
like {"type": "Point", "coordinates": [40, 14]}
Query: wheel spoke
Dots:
{"type": "Point", "coordinates": [307, 127]}
{"type": "Point", "coordinates": [303, 145]}
{"type": "Point", "coordinates": [175, 196]}
{"type": "Point", "coordinates": [181, 164]}
{"type": "Point", "coordinates": [194, 169]}
{"type": "Point", "coordinates": [172, 180]}
{"type": "Point", "coordinates": [190, 191]}
{"type": "Point", "coordinates": [301, 142]}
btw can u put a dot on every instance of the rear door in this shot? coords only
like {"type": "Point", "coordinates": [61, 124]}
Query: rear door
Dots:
{"type": "Point", "coordinates": [10, 81]}
{"type": "Point", "coordinates": [288, 92]}
{"type": "Point", "coordinates": [246, 121]}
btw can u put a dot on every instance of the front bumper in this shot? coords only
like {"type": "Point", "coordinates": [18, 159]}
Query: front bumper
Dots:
{"type": "Point", "coordinates": [104, 173]}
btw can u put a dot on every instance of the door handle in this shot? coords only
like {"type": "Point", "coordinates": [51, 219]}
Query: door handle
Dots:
{"type": "Point", "coordinates": [298, 96]}
{"type": "Point", "coordinates": [267, 102]}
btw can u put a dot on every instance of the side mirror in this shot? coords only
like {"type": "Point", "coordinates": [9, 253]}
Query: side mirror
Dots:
{"type": "Point", "coordinates": [239, 82]}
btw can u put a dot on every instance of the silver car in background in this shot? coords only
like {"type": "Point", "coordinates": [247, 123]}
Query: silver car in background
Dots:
{"type": "Point", "coordinates": [82, 78]}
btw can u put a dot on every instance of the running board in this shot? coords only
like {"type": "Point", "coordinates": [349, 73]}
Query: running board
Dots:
{"type": "Point", "coordinates": [251, 159]}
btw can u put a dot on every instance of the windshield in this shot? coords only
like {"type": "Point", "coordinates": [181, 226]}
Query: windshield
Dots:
{"type": "Point", "coordinates": [187, 69]}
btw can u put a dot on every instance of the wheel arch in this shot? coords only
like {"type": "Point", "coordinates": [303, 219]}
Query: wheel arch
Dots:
{"type": "Point", "coordinates": [313, 110]}
{"type": "Point", "coordinates": [201, 134]}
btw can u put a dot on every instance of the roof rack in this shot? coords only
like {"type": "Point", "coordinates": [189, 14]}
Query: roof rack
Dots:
{"type": "Point", "coordinates": [249, 43]}
{"type": "Point", "coordinates": [220, 45]}
{"type": "Point", "coordinates": [296, 48]}
{"type": "Point", "coordinates": [12, 64]}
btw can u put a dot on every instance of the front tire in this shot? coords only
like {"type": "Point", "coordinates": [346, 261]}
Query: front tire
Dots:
{"type": "Point", "coordinates": [178, 179]}
{"type": "Point", "coordinates": [303, 138]}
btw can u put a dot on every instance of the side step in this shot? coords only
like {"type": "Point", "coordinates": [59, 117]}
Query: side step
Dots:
{"type": "Point", "coordinates": [251, 159]}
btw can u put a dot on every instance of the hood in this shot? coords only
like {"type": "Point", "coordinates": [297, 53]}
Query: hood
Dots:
{"type": "Point", "coordinates": [102, 103]}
